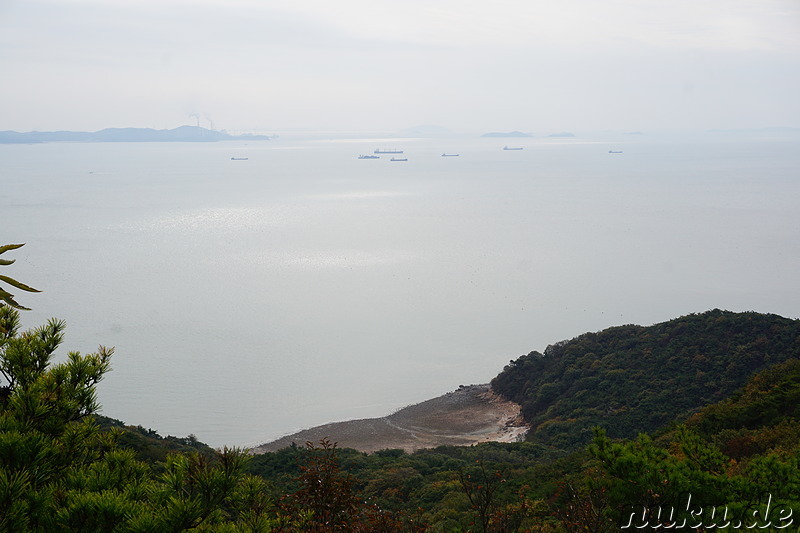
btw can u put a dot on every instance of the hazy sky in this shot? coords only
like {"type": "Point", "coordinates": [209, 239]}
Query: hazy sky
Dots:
{"type": "Point", "coordinates": [531, 65]}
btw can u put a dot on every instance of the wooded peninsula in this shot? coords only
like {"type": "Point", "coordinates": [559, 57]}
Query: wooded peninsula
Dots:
{"type": "Point", "coordinates": [691, 424]}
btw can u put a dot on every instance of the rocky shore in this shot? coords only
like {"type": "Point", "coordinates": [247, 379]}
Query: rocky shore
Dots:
{"type": "Point", "coordinates": [469, 415]}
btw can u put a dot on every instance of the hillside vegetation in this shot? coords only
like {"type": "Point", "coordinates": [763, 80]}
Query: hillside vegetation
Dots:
{"type": "Point", "coordinates": [632, 379]}
{"type": "Point", "coordinates": [702, 434]}
{"type": "Point", "coordinates": [732, 465]}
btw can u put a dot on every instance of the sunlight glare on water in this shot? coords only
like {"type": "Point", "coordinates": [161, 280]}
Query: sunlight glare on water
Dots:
{"type": "Point", "coordinates": [249, 299]}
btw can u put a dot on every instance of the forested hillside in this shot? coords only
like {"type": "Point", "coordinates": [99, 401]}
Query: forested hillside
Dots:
{"type": "Point", "coordinates": [62, 471]}
{"type": "Point", "coordinates": [632, 379]}
{"type": "Point", "coordinates": [764, 415]}
{"type": "Point", "coordinates": [709, 401]}
{"type": "Point", "coordinates": [719, 467]}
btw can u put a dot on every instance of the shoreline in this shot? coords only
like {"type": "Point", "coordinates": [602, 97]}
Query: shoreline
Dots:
{"type": "Point", "coordinates": [469, 415]}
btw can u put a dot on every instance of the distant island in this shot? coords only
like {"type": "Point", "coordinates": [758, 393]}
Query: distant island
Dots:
{"type": "Point", "coordinates": [562, 134]}
{"type": "Point", "coordinates": [506, 134]}
{"type": "Point", "coordinates": [180, 134]}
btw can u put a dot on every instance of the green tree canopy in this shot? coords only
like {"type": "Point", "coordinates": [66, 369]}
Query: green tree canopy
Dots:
{"type": "Point", "coordinates": [60, 472]}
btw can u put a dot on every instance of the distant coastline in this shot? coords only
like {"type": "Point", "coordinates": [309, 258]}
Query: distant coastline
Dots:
{"type": "Point", "coordinates": [506, 134]}
{"type": "Point", "coordinates": [180, 134]}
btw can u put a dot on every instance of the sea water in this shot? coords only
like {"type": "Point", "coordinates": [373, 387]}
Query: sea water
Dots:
{"type": "Point", "coordinates": [248, 299]}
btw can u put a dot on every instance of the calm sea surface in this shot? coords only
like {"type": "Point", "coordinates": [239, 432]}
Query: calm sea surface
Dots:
{"type": "Point", "coordinates": [249, 299]}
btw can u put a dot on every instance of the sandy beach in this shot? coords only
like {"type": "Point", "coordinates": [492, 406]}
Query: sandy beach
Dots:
{"type": "Point", "coordinates": [469, 415]}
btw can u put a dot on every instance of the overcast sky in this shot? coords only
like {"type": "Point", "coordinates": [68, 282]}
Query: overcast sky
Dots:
{"type": "Point", "coordinates": [271, 66]}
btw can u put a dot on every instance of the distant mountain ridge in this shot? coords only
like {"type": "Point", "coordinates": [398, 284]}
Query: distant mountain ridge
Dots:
{"type": "Point", "coordinates": [179, 134]}
{"type": "Point", "coordinates": [506, 134]}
